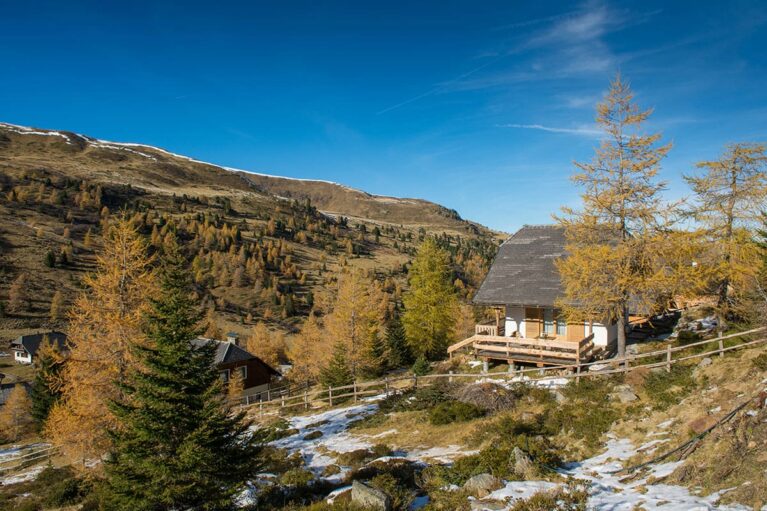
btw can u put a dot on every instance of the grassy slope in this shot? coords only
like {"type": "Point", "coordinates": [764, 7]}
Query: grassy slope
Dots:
{"type": "Point", "coordinates": [153, 177]}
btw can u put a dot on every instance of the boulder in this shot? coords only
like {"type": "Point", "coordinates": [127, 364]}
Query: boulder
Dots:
{"type": "Point", "coordinates": [523, 464]}
{"type": "Point", "coordinates": [481, 485]}
{"type": "Point", "coordinates": [624, 396]}
{"type": "Point", "coordinates": [558, 396]}
{"type": "Point", "coordinates": [705, 362]}
{"type": "Point", "coordinates": [702, 423]}
{"type": "Point", "coordinates": [370, 498]}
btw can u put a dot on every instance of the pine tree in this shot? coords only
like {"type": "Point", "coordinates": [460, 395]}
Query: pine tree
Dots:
{"type": "Point", "coordinates": [337, 373]}
{"type": "Point", "coordinates": [431, 305]}
{"type": "Point", "coordinates": [607, 238]}
{"type": "Point", "coordinates": [45, 389]}
{"type": "Point", "coordinates": [176, 444]}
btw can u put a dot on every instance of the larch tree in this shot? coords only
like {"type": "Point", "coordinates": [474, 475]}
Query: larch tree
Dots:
{"type": "Point", "coordinates": [18, 298]}
{"type": "Point", "coordinates": [176, 442]}
{"type": "Point", "coordinates": [431, 304]}
{"type": "Point", "coordinates": [607, 266]}
{"type": "Point", "coordinates": [15, 415]}
{"type": "Point", "coordinates": [730, 193]}
{"type": "Point", "coordinates": [264, 344]}
{"type": "Point", "coordinates": [357, 319]}
{"type": "Point", "coordinates": [104, 322]}
{"type": "Point", "coordinates": [57, 306]}
{"type": "Point", "coordinates": [308, 351]}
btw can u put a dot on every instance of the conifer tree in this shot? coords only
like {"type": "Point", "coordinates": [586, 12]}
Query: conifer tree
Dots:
{"type": "Point", "coordinates": [729, 196]}
{"type": "Point", "coordinates": [337, 372]}
{"type": "Point", "coordinates": [176, 444]}
{"type": "Point", "coordinates": [397, 350]}
{"type": "Point", "coordinates": [45, 390]}
{"type": "Point", "coordinates": [104, 322]}
{"type": "Point", "coordinates": [431, 305]}
{"type": "Point", "coordinates": [15, 414]}
{"type": "Point", "coordinates": [57, 305]}
{"type": "Point", "coordinates": [608, 237]}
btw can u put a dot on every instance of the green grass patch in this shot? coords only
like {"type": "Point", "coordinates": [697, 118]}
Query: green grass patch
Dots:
{"type": "Point", "coordinates": [666, 388]}
{"type": "Point", "coordinates": [452, 411]}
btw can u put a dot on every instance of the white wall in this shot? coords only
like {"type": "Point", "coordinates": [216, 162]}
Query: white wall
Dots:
{"type": "Point", "coordinates": [603, 334]}
{"type": "Point", "coordinates": [22, 357]}
{"type": "Point", "coordinates": [515, 320]}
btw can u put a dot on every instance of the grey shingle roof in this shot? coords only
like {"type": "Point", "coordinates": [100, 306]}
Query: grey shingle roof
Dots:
{"type": "Point", "coordinates": [32, 342]}
{"type": "Point", "coordinates": [226, 352]}
{"type": "Point", "coordinates": [523, 272]}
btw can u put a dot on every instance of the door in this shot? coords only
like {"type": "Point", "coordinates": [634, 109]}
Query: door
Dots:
{"type": "Point", "coordinates": [533, 322]}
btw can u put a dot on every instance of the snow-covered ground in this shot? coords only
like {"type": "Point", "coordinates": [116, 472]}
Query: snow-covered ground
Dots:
{"type": "Point", "coordinates": [18, 452]}
{"type": "Point", "coordinates": [607, 490]}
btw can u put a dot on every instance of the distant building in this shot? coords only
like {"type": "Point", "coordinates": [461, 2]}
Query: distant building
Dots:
{"type": "Point", "coordinates": [256, 374]}
{"type": "Point", "coordinates": [26, 347]}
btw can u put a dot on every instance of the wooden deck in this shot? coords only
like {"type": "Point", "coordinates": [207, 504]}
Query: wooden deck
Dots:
{"type": "Point", "coordinates": [540, 351]}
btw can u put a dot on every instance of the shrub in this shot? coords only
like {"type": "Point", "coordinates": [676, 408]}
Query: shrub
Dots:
{"type": "Point", "coordinates": [587, 412]}
{"type": "Point", "coordinates": [760, 362]}
{"type": "Point", "coordinates": [667, 388]}
{"type": "Point", "coordinates": [297, 477]}
{"type": "Point", "coordinates": [275, 431]}
{"type": "Point", "coordinates": [314, 435]}
{"type": "Point", "coordinates": [67, 492]}
{"type": "Point", "coordinates": [401, 496]}
{"type": "Point", "coordinates": [454, 411]}
{"type": "Point", "coordinates": [572, 498]}
{"type": "Point", "coordinates": [421, 366]}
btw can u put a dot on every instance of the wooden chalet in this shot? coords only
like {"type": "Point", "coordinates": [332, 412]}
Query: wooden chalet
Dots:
{"type": "Point", "coordinates": [256, 374]}
{"type": "Point", "coordinates": [523, 286]}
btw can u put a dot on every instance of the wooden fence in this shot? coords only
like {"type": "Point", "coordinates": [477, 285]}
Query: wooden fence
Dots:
{"type": "Point", "coordinates": [327, 397]}
{"type": "Point", "coordinates": [33, 457]}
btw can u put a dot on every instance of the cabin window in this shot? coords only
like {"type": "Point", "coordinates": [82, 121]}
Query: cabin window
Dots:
{"type": "Point", "coordinates": [561, 326]}
{"type": "Point", "coordinates": [243, 372]}
{"type": "Point", "coordinates": [224, 375]}
{"type": "Point", "coordinates": [548, 321]}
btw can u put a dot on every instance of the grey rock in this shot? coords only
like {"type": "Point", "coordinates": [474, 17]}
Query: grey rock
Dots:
{"type": "Point", "coordinates": [560, 398]}
{"type": "Point", "coordinates": [370, 498]}
{"type": "Point", "coordinates": [482, 505]}
{"type": "Point", "coordinates": [622, 388]}
{"type": "Point", "coordinates": [625, 396]}
{"type": "Point", "coordinates": [705, 362]}
{"type": "Point", "coordinates": [481, 485]}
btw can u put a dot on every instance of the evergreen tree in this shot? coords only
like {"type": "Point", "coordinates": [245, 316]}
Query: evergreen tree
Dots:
{"type": "Point", "coordinates": [337, 372]}
{"type": "Point", "coordinates": [431, 305]}
{"type": "Point", "coordinates": [176, 446]}
{"type": "Point", "coordinates": [45, 391]}
{"type": "Point", "coordinates": [397, 350]}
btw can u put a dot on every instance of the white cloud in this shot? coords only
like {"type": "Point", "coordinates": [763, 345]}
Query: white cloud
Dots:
{"type": "Point", "coordinates": [580, 130]}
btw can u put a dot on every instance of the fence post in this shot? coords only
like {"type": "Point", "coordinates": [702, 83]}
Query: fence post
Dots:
{"type": "Point", "coordinates": [306, 399]}
{"type": "Point", "coordinates": [415, 381]}
{"type": "Point", "coordinates": [386, 386]}
{"type": "Point", "coordinates": [261, 409]}
{"type": "Point", "coordinates": [721, 345]}
{"type": "Point", "coordinates": [330, 395]}
{"type": "Point", "coordinates": [282, 402]}
{"type": "Point", "coordinates": [578, 372]}
{"type": "Point", "coordinates": [450, 378]}
{"type": "Point", "coordinates": [354, 388]}
{"type": "Point", "coordinates": [668, 358]}
{"type": "Point", "coordinates": [268, 394]}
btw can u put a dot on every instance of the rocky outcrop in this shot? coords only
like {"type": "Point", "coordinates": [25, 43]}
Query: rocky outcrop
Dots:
{"type": "Point", "coordinates": [370, 498]}
{"type": "Point", "coordinates": [481, 485]}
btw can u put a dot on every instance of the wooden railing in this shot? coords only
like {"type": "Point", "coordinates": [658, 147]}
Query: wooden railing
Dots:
{"type": "Point", "coordinates": [331, 396]}
{"type": "Point", "coordinates": [33, 457]}
{"type": "Point", "coordinates": [509, 347]}
{"type": "Point", "coordinates": [489, 330]}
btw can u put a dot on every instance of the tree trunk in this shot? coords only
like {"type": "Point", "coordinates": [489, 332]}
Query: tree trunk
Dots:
{"type": "Point", "coordinates": [621, 323]}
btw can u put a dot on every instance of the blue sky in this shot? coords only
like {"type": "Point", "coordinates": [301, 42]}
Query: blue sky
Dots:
{"type": "Point", "coordinates": [480, 106]}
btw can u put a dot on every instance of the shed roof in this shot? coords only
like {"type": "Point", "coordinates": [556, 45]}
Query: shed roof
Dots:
{"type": "Point", "coordinates": [227, 352]}
{"type": "Point", "coordinates": [523, 272]}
